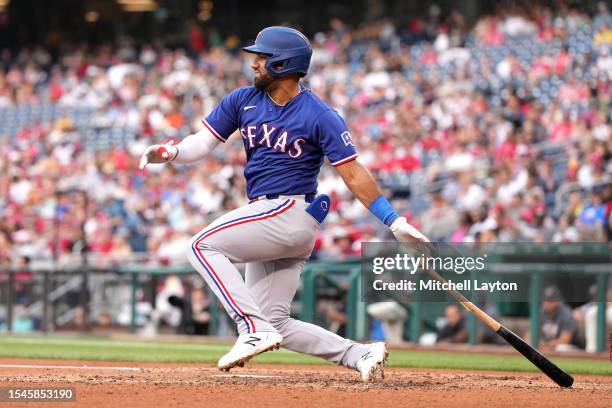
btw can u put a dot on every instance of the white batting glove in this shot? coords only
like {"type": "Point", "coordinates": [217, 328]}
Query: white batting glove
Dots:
{"type": "Point", "coordinates": [405, 232]}
{"type": "Point", "coordinates": [158, 154]}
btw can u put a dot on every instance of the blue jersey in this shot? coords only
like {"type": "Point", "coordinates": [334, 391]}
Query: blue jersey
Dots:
{"type": "Point", "coordinates": [285, 145]}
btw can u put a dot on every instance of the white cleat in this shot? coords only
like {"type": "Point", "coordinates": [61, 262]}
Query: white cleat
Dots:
{"type": "Point", "coordinates": [248, 346]}
{"type": "Point", "coordinates": [372, 361]}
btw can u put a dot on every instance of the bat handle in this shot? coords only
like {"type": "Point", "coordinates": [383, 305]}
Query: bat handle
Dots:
{"type": "Point", "coordinates": [481, 315]}
{"type": "Point", "coordinates": [469, 306]}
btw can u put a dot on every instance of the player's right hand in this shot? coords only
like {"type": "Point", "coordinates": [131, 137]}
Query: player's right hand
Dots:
{"type": "Point", "coordinates": [404, 232]}
{"type": "Point", "coordinates": [158, 154]}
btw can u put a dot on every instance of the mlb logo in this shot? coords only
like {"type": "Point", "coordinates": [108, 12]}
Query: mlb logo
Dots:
{"type": "Point", "coordinates": [346, 138]}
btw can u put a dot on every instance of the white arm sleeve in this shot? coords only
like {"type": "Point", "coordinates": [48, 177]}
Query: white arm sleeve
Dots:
{"type": "Point", "coordinates": [195, 147]}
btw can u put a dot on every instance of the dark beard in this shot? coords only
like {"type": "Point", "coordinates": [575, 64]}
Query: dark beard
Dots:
{"type": "Point", "coordinates": [263, 82]}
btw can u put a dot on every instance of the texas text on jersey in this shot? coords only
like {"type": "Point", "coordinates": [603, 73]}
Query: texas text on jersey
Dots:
{"type": "Point", "coordinates": [285, 145]}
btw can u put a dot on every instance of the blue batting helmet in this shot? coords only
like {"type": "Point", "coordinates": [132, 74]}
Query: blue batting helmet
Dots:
{"type": "Point", "coordinates": [289, 50]}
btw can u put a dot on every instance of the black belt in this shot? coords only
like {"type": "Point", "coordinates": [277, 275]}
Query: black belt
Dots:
{"type": "Point", "coordinates": [309, 198]}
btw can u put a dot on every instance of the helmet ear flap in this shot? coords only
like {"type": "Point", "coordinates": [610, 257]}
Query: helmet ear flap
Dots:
{"type": "Point", "coordinates": [278, 66]}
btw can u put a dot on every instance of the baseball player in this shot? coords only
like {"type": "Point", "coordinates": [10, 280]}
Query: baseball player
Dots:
{"type": "Point", "coordinates": [287, 131]}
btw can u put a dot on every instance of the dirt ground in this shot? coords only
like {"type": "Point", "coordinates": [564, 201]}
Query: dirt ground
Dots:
{"type": "Point", "coordinates": [100, 384]}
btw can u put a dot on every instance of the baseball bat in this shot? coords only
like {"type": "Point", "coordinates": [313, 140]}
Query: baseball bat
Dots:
{"type": "Point", "coordinates": [549, 368]}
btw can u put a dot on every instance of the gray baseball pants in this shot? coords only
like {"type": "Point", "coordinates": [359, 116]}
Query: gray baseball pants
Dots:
{"type": "Point", "coordinates": [274, 238]}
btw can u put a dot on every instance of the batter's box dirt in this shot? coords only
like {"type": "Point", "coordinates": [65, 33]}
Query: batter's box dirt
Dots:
{"type": "Point", "coordinates": [119, 384]}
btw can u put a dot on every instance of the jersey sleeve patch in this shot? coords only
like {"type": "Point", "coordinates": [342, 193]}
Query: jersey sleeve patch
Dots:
{"type": "Point", "coordinates": [335, 139]}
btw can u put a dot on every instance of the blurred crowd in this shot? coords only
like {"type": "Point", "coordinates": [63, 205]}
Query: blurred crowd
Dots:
{"type": "Point", "coordinates": [498, 132]}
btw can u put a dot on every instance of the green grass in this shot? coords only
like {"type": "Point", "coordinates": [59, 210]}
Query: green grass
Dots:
{"type": "Point", "coordinates": [100, 349]}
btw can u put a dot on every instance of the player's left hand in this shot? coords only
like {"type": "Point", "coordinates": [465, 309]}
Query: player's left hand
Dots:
{"type": "Point", "coordinates": [405, 232]}
{"type": "Point", "coordinates": [158, 154]}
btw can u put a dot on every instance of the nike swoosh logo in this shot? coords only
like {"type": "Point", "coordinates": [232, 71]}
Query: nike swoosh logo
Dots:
{"type": "Point", "coordinates": [250, 107]}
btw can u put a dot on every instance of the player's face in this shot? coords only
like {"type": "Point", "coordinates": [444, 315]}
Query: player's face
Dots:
{"type": "Point", "coordinates": [262, 78]}
{"type": "Point", "coordinates": [550, 306]}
